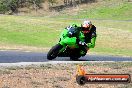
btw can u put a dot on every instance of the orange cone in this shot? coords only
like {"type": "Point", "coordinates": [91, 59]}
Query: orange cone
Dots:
{"type": "Point", "coordinates": [80, 70]}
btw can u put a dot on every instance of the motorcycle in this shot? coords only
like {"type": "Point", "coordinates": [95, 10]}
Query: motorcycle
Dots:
{"type": "Point", "coordinates": [68, 46]}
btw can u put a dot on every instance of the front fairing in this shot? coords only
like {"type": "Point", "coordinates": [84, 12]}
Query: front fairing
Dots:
{"type": "Point", "coordinates": [70, 41]}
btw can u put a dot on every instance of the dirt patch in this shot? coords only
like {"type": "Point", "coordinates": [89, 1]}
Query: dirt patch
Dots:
{"type": "Point", "coordinates": [59, 75]}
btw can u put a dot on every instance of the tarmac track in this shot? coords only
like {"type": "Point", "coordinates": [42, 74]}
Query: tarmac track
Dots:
{"type": "Point", "coordinates": [24, 58]}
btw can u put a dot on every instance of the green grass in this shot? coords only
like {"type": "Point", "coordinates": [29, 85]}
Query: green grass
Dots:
{"type": "Point", "coordinates": [44, 32]}
{"type": "Point", "coordinates": [112, 10]}
{"type": "Point", "coordinates": [30, 31]}
{"type": "Point", "coordinates": [119, 11]}
{"type": "Point", "coordinates": [20, 30]}
{"type": "Point", "coordinates": [114, 37]}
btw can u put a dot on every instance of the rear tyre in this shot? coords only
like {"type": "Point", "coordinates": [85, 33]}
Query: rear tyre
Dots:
{"type": "Point", "coordinates": [75, 55]}
{"type": "Point", "coordinates": [74, 58]}
{"type": "Point", "coordinates": [54, 51]}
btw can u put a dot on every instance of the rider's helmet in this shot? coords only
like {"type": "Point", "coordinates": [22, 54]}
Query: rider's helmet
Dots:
{"type": "Point", "coordinates": [86, 26]}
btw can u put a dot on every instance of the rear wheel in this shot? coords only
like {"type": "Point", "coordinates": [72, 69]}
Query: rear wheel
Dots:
{"type": "Point", "coordinates": [75, 54]}
{"type": "Point", "coordinates": [74, 58]}
{"type": "Point", "coordinates": [54, 51]}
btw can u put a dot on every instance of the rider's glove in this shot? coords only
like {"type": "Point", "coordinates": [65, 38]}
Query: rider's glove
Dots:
{"type": "Point", "coordinates": [82, 43]}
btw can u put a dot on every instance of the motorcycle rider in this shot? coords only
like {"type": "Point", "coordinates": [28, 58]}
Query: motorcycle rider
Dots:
{"type": "Point", "coordinates": [86, 29]}
{"type": "Point", "coordinates": [89, 31]}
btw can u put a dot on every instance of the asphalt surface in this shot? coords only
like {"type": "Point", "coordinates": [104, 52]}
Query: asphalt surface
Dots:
{"type": "Point", "coordinates": [19, 56]}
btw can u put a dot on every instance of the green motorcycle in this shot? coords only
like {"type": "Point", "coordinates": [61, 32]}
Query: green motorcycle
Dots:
{"type": "Point", "coordinates": [70, 45]}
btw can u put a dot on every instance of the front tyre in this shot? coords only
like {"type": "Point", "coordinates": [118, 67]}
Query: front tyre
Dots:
{"type": "Point", "coordinates": [54, 51]}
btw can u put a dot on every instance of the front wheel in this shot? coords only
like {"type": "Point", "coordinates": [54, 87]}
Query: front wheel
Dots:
{"type": "Point", "coordinates": [54, 51]}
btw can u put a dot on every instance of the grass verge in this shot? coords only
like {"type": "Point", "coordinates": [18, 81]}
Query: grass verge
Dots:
{"type": "Point", "coordinates": [44, 32]}
{"type": "Point", "coordinates": [114, 36]}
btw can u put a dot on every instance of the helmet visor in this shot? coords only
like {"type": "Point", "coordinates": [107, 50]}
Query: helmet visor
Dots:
{"type": "Point", "coordinates": [86, 25]}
